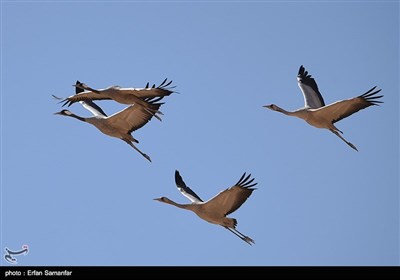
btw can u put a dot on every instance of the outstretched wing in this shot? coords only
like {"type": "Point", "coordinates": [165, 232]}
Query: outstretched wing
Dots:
{"type": "Point", "coordinates": [312, 96]}
{"type": "Point", "coordinates": [344, 108]}
{"type": "Point", "coordinates": [133, 117]}
{"type": "Point", "coordinates": [164, 89]}
{"type": "Point", "coordinates": [83, 93]}
{"type": "Point", "coordinates": [185, 190]}
{"type": "Point", "coordinates": [136, 94]}
{"type": "Point", "coordinates": [231, 199]}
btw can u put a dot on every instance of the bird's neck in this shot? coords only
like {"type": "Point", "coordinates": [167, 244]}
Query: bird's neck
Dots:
{"type": "Point", "coordinates": [78, 117]}
{"type": "Point", "coordinates": [283, 111]}
{"type": "Point", "coordinates": [300, 113]}
{"type": "Point", "coordinates": [182, 206]}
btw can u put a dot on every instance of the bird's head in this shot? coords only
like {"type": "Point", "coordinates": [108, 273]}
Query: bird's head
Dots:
{"type": "Point", "coordinates": [64, 113]}
{"type": "Point", "coordinates": [271, 107]}
{"type": "Point", "coordinates": [162, 199]}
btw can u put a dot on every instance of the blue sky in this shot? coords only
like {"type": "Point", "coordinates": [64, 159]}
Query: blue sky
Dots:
{"type": "Point", "coordinates": [78, 197]}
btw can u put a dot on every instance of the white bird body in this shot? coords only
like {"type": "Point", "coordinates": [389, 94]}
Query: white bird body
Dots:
{"type": "Point", "coordinates": [319, 115]}
{"type": "Point", "coordinates": [217, 208]}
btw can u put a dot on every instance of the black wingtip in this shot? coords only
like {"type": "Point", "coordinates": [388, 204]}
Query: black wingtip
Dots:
{"type": "Point", "coordinates": [66, 102]}
{"type": "Point", "coordinates": [246, 181]}
{"type": "Point", "coordinates": [77, 89]}
{"type": "Point", "coordinates": [371, 96]}
{"type": "Point", "coordinates": [178, 179]}
{"type": "Point", "coordinates": [241, 178]}
{"type": "Point", "coordinates": [301, 70]}
{"type": "Point", "coordinates": [163, 82]}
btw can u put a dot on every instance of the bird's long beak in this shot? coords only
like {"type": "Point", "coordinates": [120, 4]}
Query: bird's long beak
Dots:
{"type": "Point", "coordinates": [58, 113]}
{"type": "Point", "coordinates": [158, 199]}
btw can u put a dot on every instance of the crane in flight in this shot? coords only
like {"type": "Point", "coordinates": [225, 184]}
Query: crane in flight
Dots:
{"type": "Point", "coordinates": [217, 208]}
{"type": "Point", "coordinates": [120, 124]}
{"type": "Point", "coordinates": [319, 115]}
{"type": "Point", "coordinates": [122, 95]}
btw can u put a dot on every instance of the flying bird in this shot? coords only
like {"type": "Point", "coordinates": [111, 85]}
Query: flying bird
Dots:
{"type": "Point", "coordinates": [121, 124]}
{"type": "Point", "coordinates": [217, 208]}
{"type": "Point", "coordinates": [317, 114]}
{"type": "Point", "coordinates": [123, 95]}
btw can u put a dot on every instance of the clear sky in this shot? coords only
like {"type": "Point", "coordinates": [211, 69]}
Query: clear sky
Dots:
{"type": "Point", "coordinates": [78, 197]}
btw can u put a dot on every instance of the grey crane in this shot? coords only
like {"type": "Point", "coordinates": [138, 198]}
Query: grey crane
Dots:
{"type": "Point", "coordinates": [319, 115]}
{"type": "Point", "coordinates": [217, 208]}
{"type": "Point", "coordinates": [120, 124]}
{"type": "Point", "coordinates": [122, 95]}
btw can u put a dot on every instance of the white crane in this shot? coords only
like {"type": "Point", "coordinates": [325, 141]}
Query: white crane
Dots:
{"type": "Point", "coordinates": [123, 95]}
{"type": "Point", "coordinates": [217, 208]}
{"type": "Point", "coordinates": [121, 124]}
{"type": "Point", "coordinates": [317, 114]}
